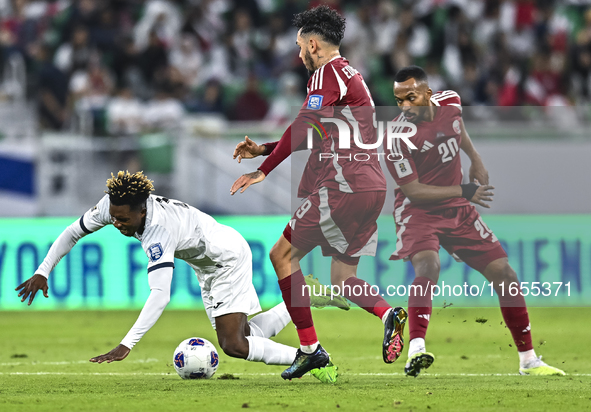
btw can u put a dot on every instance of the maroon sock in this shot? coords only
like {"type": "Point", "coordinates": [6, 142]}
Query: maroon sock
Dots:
{"type": "Point", "coordinates": [358, 291]}
{"type": "Point", "coordinates": [419, 307]}
{"type": "Point", "coordinates": [516, 318]}
{"type": "Point", "coordinates": [297, 300]}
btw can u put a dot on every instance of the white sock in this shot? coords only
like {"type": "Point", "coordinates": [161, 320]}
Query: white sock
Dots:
{"type": "Point", "coordinates": [525, 357]}
{"type": "Point", "coordinates": [271, 322]}
{"type": "Point", "coordinates": [415, 346]}
{"type": "Point", "coordinates": [309, 348]}
{"type": "Point", "coordinates": [385, 316]}
{"type": "Point", "coordinates": [272, 353]}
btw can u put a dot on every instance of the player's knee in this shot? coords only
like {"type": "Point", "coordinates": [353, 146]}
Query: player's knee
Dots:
{"type": "Point", "coordinates": [277, 255]}
{"type": "Point", "coordinates": [235, 348]}
{"type": "Point", "coordinates": [500, 271]}
{"type": "Point", "coordinates": [427, 267]}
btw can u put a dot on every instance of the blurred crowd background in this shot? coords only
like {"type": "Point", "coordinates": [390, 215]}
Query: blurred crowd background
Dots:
{"type": "Point", "coordinates": [132, 66]}
{"type": "Point", "coordinates": [170, 86]}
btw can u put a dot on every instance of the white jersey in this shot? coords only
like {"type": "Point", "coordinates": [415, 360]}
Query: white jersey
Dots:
{"type": "Point", "coordinates": [218, 254]}
{"type": "Point", "coordinates": [174, 229]}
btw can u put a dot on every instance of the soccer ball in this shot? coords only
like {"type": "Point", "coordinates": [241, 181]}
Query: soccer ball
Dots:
{"type": "Point", "coordinates": [196, 358]}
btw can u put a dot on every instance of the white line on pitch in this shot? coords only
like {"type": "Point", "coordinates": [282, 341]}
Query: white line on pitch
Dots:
{"type": "Point", "coordinates": [150, 360]}
{"type": "Point", "coordinates": [263, 374]}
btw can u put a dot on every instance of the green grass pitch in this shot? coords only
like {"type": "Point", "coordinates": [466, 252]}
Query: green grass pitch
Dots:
{"type": "Point", "coordinates": [44, 365]}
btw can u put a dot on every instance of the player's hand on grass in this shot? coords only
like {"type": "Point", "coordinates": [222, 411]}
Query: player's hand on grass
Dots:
{"type": "Point", "coordinates": [478, 171]}
{"type": "Point", "coordinates": [247, 150]}
{"type": "Point", "coordinates": [246, 180]}
{"type": "Point", "coordinates": [117, 354]}
{"type": "Point", "coordinates": [483, 194]}
{"type": "Point", "coordinates": [31, 286]}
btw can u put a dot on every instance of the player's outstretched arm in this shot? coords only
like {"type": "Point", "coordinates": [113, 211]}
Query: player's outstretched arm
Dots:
{"type": "Point", "coordinates": [247, 150]}
{"type": "Point", "coordinates": [117, 354]}
{"type": "Point", "coordinates": [246, 180]}
{"type": "Point", "coordinates": [159, 280]}
{"type": "Point", "coordinates": [477, 169]}
{"type": "Point", "coordinates": [31, 286]}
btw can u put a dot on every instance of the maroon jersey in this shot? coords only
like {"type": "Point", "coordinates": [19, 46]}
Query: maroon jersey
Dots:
{"type": "Point", "coordinates": [338, 91]}
{"type": "Point", "coordinates": [436, 161]}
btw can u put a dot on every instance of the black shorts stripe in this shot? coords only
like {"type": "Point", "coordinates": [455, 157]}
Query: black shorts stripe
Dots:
{"type": "Point", "coordinates": [82, 225]}
{"type": "Point", "coordinates": [161, 265]}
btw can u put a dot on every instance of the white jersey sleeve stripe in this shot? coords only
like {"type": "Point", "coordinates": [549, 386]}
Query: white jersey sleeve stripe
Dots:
{"type": "Point", "coordinates": [442, 98]}
{"type": "Point", "coordinates": [342, 87]}
{"type": "Point", "coordinates": [321, 76]}
{"type": "Point", "coordinates": [446, 94]}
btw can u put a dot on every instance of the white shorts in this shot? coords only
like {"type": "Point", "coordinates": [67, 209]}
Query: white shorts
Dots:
{"type": "Point", "coordinates": [231, 289]}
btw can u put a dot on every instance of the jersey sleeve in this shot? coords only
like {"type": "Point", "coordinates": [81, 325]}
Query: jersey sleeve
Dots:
{"type": "Point", "coordinates": [448, 98]}
{"type": "Point", "coordinates": [326, 89]}
{"type": "Point", "coordinates": [159, 246]}
{"type": "Point", "coordinates": [96, 217]}
{"type": "Point", "coordinates": [403, 170]}
{"type": "Point", "coordinates": [160, 281]}
{"type": "Point", "coordinates": [91, 221]}
{"type": "Point", "coordinates": [269, 147]}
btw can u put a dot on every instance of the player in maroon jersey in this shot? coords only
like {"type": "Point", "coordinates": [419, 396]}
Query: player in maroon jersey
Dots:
{"type": "Point", "coordinates": [432, 209]}
{"type": "Point", "coordinates": [344, 196]}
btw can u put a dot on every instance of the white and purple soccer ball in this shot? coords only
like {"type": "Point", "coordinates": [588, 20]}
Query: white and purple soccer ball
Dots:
{"type": "Point", "coordinates": [196, 358]}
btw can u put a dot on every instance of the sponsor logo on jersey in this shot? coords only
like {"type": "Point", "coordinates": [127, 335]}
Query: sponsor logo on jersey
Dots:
{"type": "Point", "coordinates": [315, 101]}
{"type": "Point", "coordinates": [217, 305]}
{"type": "Point", "coordinates": [155, 252]}
{"type": "Point", "coordinates": [426, 146]}
{"type": "Point", "coordinates": [456, 126]}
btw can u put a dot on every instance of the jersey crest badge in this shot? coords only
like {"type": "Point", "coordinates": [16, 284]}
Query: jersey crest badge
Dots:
{"type": "Point", "coordinates": [456, 126]}
{"type": "Point", "coordinates": [155, 252]}
{"type": "Point", "coordinates": [315, 101]}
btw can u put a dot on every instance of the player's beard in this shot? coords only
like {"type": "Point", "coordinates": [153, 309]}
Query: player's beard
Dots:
{"type": "Point", "coordinates": [309, 63]}
{"type": "Point", "coordinates": [418, 116]}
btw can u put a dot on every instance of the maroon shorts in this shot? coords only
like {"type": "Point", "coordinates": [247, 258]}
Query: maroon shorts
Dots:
{"type": "Point", "coordinates": [459, 230]}
{"type": "Point", "coordinates": [343, 224]}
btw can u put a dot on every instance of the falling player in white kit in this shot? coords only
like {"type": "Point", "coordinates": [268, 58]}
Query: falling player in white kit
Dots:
{"type": "Point", "coordinates": [169, 229]}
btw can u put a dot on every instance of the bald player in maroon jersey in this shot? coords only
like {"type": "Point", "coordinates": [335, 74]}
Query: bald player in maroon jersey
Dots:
{"type": "Point", "coordinates": [344, 196]}
{"type": "Point", "coordinates": [432, 209]}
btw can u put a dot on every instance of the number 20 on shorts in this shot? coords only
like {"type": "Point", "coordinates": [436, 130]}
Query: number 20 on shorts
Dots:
{"type": "Point", "coordinates": [483, 230]}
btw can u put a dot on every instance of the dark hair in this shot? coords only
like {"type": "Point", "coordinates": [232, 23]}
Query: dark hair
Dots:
{"type": "Point", "coordinates": [129, 189]}
{"type": "Point", "coordinates": [323, 21]}
{"type": "Point", "coordinates": [411, 72]}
